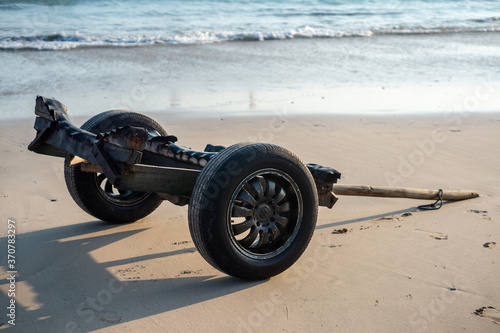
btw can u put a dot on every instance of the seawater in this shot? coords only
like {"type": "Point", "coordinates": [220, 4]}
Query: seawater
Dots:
{"type": "Point", "coordinates": [70, 24]}
{"type": "Point", "coordinates": [217, 57]}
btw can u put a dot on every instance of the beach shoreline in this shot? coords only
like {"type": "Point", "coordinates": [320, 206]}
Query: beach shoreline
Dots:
{"type": "Point", "coordinates": [381, 74]}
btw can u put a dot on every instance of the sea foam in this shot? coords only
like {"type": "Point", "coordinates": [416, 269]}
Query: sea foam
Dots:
{"type": "Point", "coordinates": [66, 41]}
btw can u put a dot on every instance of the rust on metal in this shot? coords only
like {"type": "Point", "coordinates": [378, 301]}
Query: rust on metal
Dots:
{"type": "Point", "coordinates": [132, 160]}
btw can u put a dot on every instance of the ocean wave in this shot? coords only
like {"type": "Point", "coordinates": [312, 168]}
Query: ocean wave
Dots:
{"type": "Point", "coordinates": [66, 41]}
{"type": "Point", "coordinates": [333, 13]}
{"type": "Point", "coordinates": [486, 20]}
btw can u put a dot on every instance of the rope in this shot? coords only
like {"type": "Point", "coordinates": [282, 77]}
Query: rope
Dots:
{"type": "Point", "coordinates": [434, 205]}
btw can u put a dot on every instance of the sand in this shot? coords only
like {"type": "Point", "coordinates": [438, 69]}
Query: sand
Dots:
{"type": "Point", "coordinates": [393, 269]}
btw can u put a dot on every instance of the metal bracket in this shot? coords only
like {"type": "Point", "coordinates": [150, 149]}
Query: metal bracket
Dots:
{"type": "Point", "coordinates": [108, 168]}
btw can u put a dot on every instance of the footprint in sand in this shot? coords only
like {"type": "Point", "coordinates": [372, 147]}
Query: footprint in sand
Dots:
{"type": "Point", "coordinates": [387, 218]}
{"type": "Point", "coordinates": [490, 313]}
{"type": "Point", "coordinates": [393, 217]}
{"type": "Point", "coordinates": [490, 244]}
{"type": "Point", "coordinates": [484, 213]}
{"type": "Point", "coordinates": [478, 211]}
{"type": "Point", "coordinates": [433, 235]}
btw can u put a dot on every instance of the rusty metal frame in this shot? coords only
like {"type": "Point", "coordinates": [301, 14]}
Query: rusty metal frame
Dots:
{"type": "Point", "coordinates": [131, 159]}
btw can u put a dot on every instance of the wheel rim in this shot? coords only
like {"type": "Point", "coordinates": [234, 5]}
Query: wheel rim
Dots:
{"type": "Point", "coordinates": [265, 213]}
{"type": "Point", "coordinates": [116, 196]}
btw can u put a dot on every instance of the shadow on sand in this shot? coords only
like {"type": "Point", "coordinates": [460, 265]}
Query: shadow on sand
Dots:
{"type": "Point", "coordinates": [74, 293]}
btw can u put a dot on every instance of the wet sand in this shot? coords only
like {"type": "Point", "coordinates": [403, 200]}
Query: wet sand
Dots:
{"type": "Point", "coordinates": [378, 75]}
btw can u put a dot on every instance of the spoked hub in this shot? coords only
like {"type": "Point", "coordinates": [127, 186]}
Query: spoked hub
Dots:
{"type": "Point", "coordinates": [116, 196]}
{"type": "Point", "coordinates": [253, 210]}
{"type": "Point", "coordinates": [265, 213]}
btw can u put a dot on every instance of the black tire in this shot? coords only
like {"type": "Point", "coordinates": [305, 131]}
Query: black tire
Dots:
{"type": "Point", "coordinates": [94, 193]}
{"type": "Point", "coordinates": [253, 210]}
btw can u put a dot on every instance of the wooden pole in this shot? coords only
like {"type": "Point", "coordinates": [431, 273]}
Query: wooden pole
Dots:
{"type": "Point", "coordinates": [401, 192]}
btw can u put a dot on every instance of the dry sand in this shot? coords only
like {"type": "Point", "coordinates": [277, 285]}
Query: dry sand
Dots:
{"type": "Point", "coordinates": [396, 269]}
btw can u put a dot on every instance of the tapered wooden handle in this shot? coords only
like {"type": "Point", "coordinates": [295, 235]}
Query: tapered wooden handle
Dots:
{"type": "Point", "coordinates": [401, 192]}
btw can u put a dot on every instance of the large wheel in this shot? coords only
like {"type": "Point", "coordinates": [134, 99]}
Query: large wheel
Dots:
{"type": "Point", "coordinates": [253, 210]}
{"type": "Point", "coordinates": [94, 193]}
